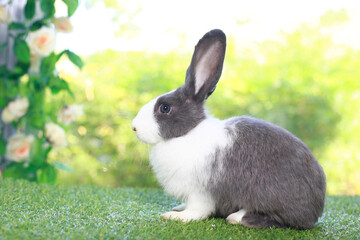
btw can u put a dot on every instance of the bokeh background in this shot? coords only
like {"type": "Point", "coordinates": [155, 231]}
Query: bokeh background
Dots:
{"type": "Point", "coordinates": [295, 64]}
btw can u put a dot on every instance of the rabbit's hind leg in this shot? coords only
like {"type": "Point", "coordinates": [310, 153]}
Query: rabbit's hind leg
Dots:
{"type": "Point", "coordinates": [235, 218]}
{"type": "Point", "coordinates": [253, 220]}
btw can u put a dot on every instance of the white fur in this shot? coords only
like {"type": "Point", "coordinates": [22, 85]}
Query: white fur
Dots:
{"type": "Point", "coordinates": [182, 166]}
{"type": "Point", "coordinates": [235, 218]}
{"type": "Point", "coordinates": [147, 129]}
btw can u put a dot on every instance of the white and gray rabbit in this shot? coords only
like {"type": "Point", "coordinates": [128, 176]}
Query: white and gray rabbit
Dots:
{"type": "Point", "coordinates": [250, 171]}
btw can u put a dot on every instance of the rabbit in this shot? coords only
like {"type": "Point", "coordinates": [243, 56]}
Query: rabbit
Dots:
{"type": "Point", "coordinates": [244, 169]}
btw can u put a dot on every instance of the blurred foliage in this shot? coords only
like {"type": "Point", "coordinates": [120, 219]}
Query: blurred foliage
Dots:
{"type": "Point", "coordinates": [304, 82]}
{"type": "Point", "coordinates": [35, 86]}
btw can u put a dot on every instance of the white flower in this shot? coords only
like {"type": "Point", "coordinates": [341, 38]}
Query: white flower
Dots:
{"type": "Point", "coordinates": [55, 135]}
{"type": "Point", "coordinates": [5, 17]}
{"type": "Point", "coordinates": [18, 147]}
{"type": "Point", "coordinates": [15, 110]}
{"type": "Point", "coordinates": [42, 42]}
{"type": "Point", "coordinates": [62, 24]}
{"type": "Point", "coordinates": [68, 114]}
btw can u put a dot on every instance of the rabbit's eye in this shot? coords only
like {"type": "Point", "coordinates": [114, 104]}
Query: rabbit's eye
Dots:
{"type": "Point", "coordinates": [164, 108]}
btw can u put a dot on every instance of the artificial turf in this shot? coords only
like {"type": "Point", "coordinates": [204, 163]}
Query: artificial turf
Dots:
{"type": "Point", "coordinates": [40, 211]}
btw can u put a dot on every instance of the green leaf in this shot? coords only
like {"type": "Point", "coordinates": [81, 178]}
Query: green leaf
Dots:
{"type": "Point", "coordinates": [36, 99]}
{"type": "Point", "coordinates": [21, 50]}
{"type": "Point", "coordinates": [29, 9]}
{"type": "Point", "coordinates": [47, 150]}
{"type": "Point", "coordinates": [11, 89]}
{"type": "Point", "coordinates": [2, 146]}
{"type": "Point", "coordinates": [72, 6]}
{"type": "Point", "coordinates": [60, 54]}
{"type": "Point", "coordinates": [36, 120]}
{"type": "Point", "coordinates": [3, 46]}
{"type": "Point", "coordinates": [48, 64]}
{"type": "Point", "coordinates": [38, 83]}
{"type": "Point", "coordinates": [17, 170]}
{"type": "Point", "coordinates": [21, 35]}
{"type": "Point", "coordinates": [63, 167]}
{"type": "Point", "coordinates": [48, 8]}
{"type": "Point", "coordinates": [17, 26]}
{"type": "Point", "coordinates": [36, 25]}
{"type": "Point", "coordinates": [47, 174]}
{"type": "Point", "coordinates": [44, 81]}
{"type": "Point", "coordinates": [3, 70]}
{"type": "Point", "coordinates": [3, 100]}
{"type": "Point", "coordinates": [37, 153]}
{"type": "Point", "coordinates": [57, 84]}
{"type": "Point", "coordinates": [75, 59]}
{"type": "Point", "coordinates": [19, 70]}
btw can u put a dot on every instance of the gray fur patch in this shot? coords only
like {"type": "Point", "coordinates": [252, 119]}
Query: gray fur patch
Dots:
{"type": "Point", "coordinates": [269, 173]}
{"type": "Point", "coordinates": [185, 114]}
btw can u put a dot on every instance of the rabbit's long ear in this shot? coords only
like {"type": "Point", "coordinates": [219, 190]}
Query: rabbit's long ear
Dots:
{"type": "Point", "coordinates": [206, 65]}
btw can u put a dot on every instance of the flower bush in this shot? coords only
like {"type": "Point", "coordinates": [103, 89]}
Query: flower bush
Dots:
{"type": "Point", "coordinates": [25, 88]}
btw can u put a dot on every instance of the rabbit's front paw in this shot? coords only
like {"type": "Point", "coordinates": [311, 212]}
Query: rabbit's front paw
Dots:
{"type": "Point", "coordinates": [184, 216]}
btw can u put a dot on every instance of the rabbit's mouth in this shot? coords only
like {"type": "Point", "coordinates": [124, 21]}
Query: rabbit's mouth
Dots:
{"type": "Point", "coordinates": [148, 138]}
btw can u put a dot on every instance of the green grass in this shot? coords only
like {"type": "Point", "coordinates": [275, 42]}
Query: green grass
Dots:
{"type": "Point", "coordinates": [36, 211]}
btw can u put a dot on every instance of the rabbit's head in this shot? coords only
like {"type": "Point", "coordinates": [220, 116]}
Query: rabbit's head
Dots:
{"type": "Point", "coordinates": [175, 113]}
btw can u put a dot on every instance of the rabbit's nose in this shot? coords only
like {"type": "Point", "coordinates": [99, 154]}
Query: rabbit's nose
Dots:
{"type": "Point", "coordinates": [133, 126]}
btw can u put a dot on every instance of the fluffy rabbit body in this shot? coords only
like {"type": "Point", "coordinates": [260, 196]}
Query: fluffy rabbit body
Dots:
{"type": "Point", "coordinates": [250, 171]}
